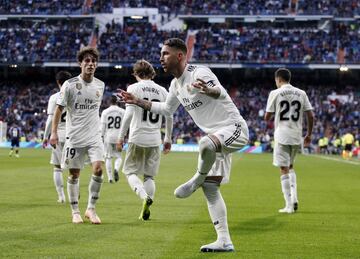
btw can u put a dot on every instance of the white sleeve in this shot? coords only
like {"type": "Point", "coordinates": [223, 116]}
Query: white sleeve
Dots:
{"type": "Point", "coordinates": [270, 106]}
{"type": "Point", "coordinates": [103, 124]}
{"type": "Point", "coordinates": [129, 112]}
{"type": "Point", "coordinates": [307, 104]}
{"type": "Point", "coordinates": [211, 80]}
{"type": "Point", "coordinates": [51, 105]}
{"type": "Point", "coordinates": [48, 127]}
{"type": "Point", "coordinates": [168, 107]}
{"type": "Point", "coordinates": [63, 97]}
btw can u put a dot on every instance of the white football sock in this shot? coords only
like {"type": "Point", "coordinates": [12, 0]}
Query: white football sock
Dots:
{"type": "Point", "coordinates": [118, 162]}
{"type": "Point", "coordinates": [94, 190]}
{"type": "Point", "coordinates": [108, 166]}
{"type": "Point", "coordinates": [137, 186]}
{"type": "Point", "coordinates": [73, 193]}
{"type": "Point", "coordinates": [58, 181]}
{"type": "Point", "coordinates": [217, 210]}
{"type": "Point", "coordinates": [293, 186]}
{"type": "Point", "coordinates": [285, 187]}
{"type": "Point", "coordinates": [206, 159]}
{"type": "Point", "coordinates": [149, 186]}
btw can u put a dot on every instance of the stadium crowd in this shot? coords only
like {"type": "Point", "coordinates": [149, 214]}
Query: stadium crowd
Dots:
{"type": "Point", "coordinates": [337, 8]}
{"type": "Point", "coordinates": [39, 40]}
{"type": "Point", "coordinates": [26, 107]}
{"type": "Point", "coordinates": [58, 39]}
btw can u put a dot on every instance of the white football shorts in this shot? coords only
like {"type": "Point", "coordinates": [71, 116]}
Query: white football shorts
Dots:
{"type": "Point", "coordinates": [111, 151]}
{"type": "Point", "coordinates": [75, 158]}
{"type": "Point", "coordinates": [56, 154]}
{"type": "Point", "coordinates": [284, 155]}
{"type": "Point", "coordinates": [141, 160]}
{"type": "Point", "coordinates": [232, 137]}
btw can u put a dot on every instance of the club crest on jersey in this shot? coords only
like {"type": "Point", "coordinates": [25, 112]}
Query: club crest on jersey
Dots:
{"type": "Point", "coordinates": [97, 93]}
{"type": "Point", "coordinates": [78, 86]}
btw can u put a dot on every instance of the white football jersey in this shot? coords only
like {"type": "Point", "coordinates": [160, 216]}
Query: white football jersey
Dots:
{"type": "Point", "coordinates": [208, 113]}
{"type": "Point", "coordinates": [82, 101]}
{"type": "Point", "coordinates": [145, 125]}
{"type": "Point", "coordinates": [289, 104]}
{"type": "Point", "coordinates": [62, 122]}
{"type": "Point", "coordinates": [111, 119]}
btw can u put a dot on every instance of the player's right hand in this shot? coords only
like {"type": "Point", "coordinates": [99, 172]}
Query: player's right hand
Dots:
{"type": "Point", "coordinates": [45, 143]}
{"type": "Point", "coordinates": [166, 148]}
{"type": "Point", "coordinates": [307, 140]}
{"type": "Point", "coordinates": [119, 145]}
{"type": "Point", "coordinates": [54, 140]}
{"type": "Point", "coordinates": [126, 97]}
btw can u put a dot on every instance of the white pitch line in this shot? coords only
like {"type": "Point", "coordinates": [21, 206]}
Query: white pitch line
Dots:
{"type": "Point", "coordinates": [337, 160]}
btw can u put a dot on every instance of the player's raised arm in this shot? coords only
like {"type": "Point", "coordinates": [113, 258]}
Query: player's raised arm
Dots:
{"type": "Point", "coordinates": [55, 123]}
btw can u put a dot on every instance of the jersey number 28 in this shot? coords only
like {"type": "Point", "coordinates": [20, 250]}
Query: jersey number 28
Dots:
{"type": "Point", "coordinates": [114, 122]}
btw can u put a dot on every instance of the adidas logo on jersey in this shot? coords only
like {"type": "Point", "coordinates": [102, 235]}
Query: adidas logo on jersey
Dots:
{"type": "Point", "coordinates": [79, 93]}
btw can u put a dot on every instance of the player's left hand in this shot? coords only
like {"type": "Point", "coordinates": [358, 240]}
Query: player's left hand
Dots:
{"type": "Point", "coordinates": [119, 145]}
{"type": "Point", "coordinates": [45, 143]}
{"type": "Point", "coordinates": [166, 147]}
{"type": "Point", "coordinates": [204, 89]}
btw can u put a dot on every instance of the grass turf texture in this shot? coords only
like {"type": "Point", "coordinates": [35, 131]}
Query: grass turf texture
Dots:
{"type": "Point", "coordinates": [327, 224]}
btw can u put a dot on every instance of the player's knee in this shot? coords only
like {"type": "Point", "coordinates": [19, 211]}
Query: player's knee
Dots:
{"type": "Point", "coordinates": [206, 144]}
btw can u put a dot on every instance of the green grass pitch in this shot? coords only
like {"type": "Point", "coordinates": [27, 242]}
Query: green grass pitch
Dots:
{"type": "Point", "coordinates": [327, 225]}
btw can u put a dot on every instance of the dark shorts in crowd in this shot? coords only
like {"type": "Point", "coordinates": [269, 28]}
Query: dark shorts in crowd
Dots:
{"type": "Point", "coordinates": [348, 147]}
{"type": "Point", "coordinates": [15, 142]}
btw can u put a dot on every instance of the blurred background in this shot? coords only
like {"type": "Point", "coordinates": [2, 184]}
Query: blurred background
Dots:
{"type": "Point", "coordinates": [243, 42]}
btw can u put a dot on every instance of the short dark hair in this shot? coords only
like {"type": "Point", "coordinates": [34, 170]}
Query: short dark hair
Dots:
{"type": "Point", "coordinates": [177, 44]}
{"type": "Point", "coordinates": [284, 74]}
{"type": "Point", "coordinates": [144, 69]}
{"type": "Point", "coordinates": [113, 99]}
{"type": "Point", "coordinates": [62, 76]}
{"type": "Point", "coordinates": [88, 50]}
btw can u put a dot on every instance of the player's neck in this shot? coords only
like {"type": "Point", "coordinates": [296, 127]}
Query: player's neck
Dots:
{"type": "Point", "coordinates": [87, 77]}
{"type": "Point", "coordinates": [179, 71]}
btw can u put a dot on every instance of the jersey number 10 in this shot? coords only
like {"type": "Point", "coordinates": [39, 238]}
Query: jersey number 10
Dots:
{"type": "Point", "coordinates": [153, 118]}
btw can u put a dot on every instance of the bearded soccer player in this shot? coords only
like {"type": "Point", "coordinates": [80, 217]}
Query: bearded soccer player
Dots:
{"type": "Point", "coordinates": [81, 96]}
{"type": "Point", "coordinates": [205, 99]}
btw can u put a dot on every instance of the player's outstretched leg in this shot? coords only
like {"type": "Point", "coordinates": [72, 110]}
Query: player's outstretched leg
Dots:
{"type": "Point", "coordinates": [218, 215]}
{"type": "Point", "coordinates": [207, 155]}
{"type": "Point", "coordinates": [293, 189]}
{"type": "Point", "coordinates": [73, 195]}
{"type": "Point", "coordinates": [285, 186]}
{"type": "Point", "coordinates": [138, 187]}
{"type": "Point", "coordinates": [94, 190]}
{"type": "Point", "coordinates": [59, 184]}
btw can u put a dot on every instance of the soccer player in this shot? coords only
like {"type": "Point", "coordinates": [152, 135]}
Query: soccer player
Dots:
{"type": "Point", "coordinates": [14, 134]}
{"type": "Point", "coordinates": [288, 103]}
{"type": "Point", "coordinates": [82, 97]}
{"type": "Point", "coordinates": [55, 160]}
{"type": "Point", "coordinates": [143, 153]}
{"type": "Point", "coordinates": [211, 108]}
{"type": "Point", "coordinates": [110, 128]}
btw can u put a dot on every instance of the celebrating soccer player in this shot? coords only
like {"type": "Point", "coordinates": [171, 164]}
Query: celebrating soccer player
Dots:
{"type": "Point", "coordinates": [210, 106]}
